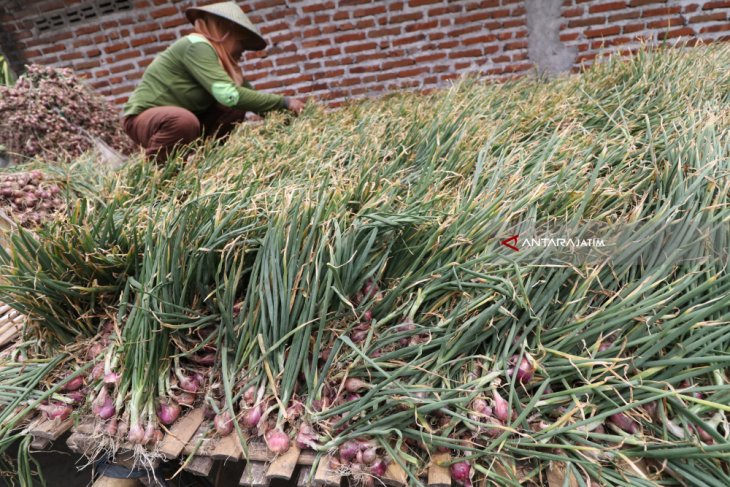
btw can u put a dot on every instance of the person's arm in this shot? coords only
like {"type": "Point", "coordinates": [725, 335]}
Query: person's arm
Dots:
{"type": "Point", "coordinates": [202, 63]}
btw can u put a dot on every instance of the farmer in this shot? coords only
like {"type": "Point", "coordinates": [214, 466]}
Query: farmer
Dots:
{"type": "Point", "coordinates": [195, 87]}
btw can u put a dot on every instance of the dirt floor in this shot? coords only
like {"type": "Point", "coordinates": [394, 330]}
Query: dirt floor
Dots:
{"type": "Point", "coordinates": [63, 468]}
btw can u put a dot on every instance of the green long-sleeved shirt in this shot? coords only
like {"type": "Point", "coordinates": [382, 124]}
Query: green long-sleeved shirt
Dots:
{"type": "Point", "coordinates": [188, 74]}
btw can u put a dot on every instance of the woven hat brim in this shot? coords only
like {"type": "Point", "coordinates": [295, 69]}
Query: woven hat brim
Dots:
{"type": "Point", "coordinates": [254, 41]}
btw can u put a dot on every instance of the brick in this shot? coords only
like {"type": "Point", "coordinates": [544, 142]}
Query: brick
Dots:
{"type": "Point", "coordinates": [716, 4]}
{"type": "Point", "coordinates": [511, 46]}
{"type": "Point", "coordinates": [164, 12]}
{"type": "Point", "coordinates": [586, 22]}
{"type": "Point", "coordinates": [314, 31]}
{"type": "Point", "coordinates": [140, 41]}
{"type": "Point", "coordinates": [426, 58]}
{"type": "Point", "coordinates": [88, 29]}
{"type": "Point", "coordinates": [630, 28]}
{"type": "Point", "coordinates": [388, 31]}
{"type": "Point", "coordinates": [126, 55]}
{"type": "Point", "coordinates": [606, 31]}
{"type": "Point", "coordinates": [465, 30]}
{"type": "Point", "coordinates": [368, 12]}
{"type": "Point", "coordinates": [684, 31]}
{"type": "Point", "coordinates": [316, 43]}
{"type": "Point", "coordinates": [476, 17]}
{"type": "Point", "coordinates": [286, 36]}
{"type": "Point", "coordinates": [350, 37]}
{"type": "Point", "coordinates": [421, 26]}
{"type": "Point", "coordinates": [466, 53]}
{"type": "Point", "coordinates": [141, 29]}
{"type": "Point", "coordinates": [397, 19]}
{"type": "Point", "coordinates": [317, 7]}
{"type": "Point", "coordinates": [481, 39]}
{"type": "Point", "coordinates": [614, 41]}
{"type": "Point", "coordinates": [280, 14]}
{"type": "Point", "coordinates": [283, 61]}
{"type": "Point", "coordinates": [408, 40]}
{"type": "Point", "coordinates": [269, 28]}
{"type": "Point", "coordinates": [640, 3]}
{"type": "Point", "coordinates": [261, 4]}
{"type": "Point", "coordinates": [174, 22]}
{"type": "Point", "coordinates": [399, 63]}
{"type": "Point", "coordinates": [655, 12]}
{"type": "Point", "coordinates": [122, 68]}
{"type": "Point", "coordinates": [69, 56]}
{"type": "Point", "coordinates": [606, 7]}
{"type": "Point", "coordinates": [450, 9]}
{"type": "Point", "coordinates": [508, 24]}
{"type": "Point", "coordinates": [634, 14]}
{"type": "Point", "coordinates": [286, 71]}
{"type": "Point", "coordinates": [715, 28]}
{"type": "Point", "coordinates": [364, 69]}
{"type": "Point", "coordinates": [708, 17]}
{"type": "Point", "coordinates": [360, 47]}
{"type": "Point", "coordinates": [573, 12]}
{"type": "Point", "coordinates": [664, 23]}
{"type": "Point", "coordinates": [568, 37]}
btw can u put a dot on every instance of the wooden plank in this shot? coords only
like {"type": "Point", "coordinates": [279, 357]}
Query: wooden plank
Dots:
{"type": "Point", "coordinates": [200, 466]}
{"type": "Point", "coordinates": [39, 443]}
{"type": "Point", "coordinates": [80, 443]}
{"type": "Point", "coordinates": [51, 429]}
{"type": "Point", "coordinates": [254, 475]}
{"type": "Point", "coordinates": [181, 432]}
{"type": "Point", "coordinates": [228, 448]}
{"type": "Point", "coordinates": [10, 334]}
{"type": "Point", "coordinates": [283, 466]}
{"type": "Point", "coordinates": [438, 475]}
{"type": "Point", "coordinates": [326, 477]}
{"type": "Point", "coordinates": [303, 477]}
{"type": "Point", "coordinates": [110, 482]}
{"type": "Point", "coordinates": [395, 475]}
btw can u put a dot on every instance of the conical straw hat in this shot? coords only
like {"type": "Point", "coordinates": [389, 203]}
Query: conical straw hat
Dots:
{"type": "Point", "coordinates": [233, 13]}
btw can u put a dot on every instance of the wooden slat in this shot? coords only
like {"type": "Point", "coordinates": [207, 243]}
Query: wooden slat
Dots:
{"type": "Point", "coordinates": [438, 475]}
{"type": "Point", "coordinates": [283, 466]}
{"type": "Point", "coordinates": [326, 477]}
{"type": "Point", "coordinates": [254, 475]}
{"type": "Point", "coordinates": [395, 475]}
{"type": "Point", "coordinates": [10, 334]}
{"type": "Point", "coordinates": [200, 466]}
{"type": "Point", "coordinates": [51, 429]}
{"type": "Point", "coordinates": [303, 477]}
{"type": "Point", "coordinates": [80, 443]}
{"type": "Point", "coordinates": [39, 443]}
{"type": "Point", "coordinates": [180, 433]}
{"type": "Point", "coordinates": [109, 482]}
{"type": "Point", "coordinates": [228, 448]}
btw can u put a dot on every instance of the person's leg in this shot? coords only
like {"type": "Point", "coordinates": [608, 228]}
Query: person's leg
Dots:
{"type": "Point", "coordinates": [160, 129]}
{"type": "Point", "coordinates": [218, 121]}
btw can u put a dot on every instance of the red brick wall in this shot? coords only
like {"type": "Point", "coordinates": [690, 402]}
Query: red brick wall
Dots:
{"type": "Point", "coordinates": [337, 49]}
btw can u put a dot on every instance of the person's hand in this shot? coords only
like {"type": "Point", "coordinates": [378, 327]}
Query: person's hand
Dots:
{"type": "Point", "coordinates": [295, 106]}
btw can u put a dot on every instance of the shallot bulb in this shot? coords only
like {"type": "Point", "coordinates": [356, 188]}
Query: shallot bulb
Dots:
{"type": "Point", "coordinates": [306, 438]}
{"type": "Point", "coordinates": [378, 468]}
{"type": "Point", "coordinates": [525, 370]}
{"type": "Point", "coordinates": [355, 385]}
{"type": "Point", "coordinates": [168, 412]}
{"type": "Point", "coordinates": [349, 450]}
{"type": "Point", "coordinates": [189, 384]}
{"type": "Point", "coordinates": [624, 422]}
{"type": "Point", "coordinates": [501, 408]}
{"type": "Point", "coordinates": [223, 423]}
{"type": "Point", "coordinates": [277, 441]}
{"type": "Point", "coordinates": [252, 417]}
{"type": "Point", "coordinates": [57, 411]}
{"type": "Point", "coordinates": [136, 434]}
{"type": "Point", "coordinates": [462, 472]}
{"type": "Point", "coordinates": [74, 384]}
{"type": "Point", "coordinates": [103, 406]}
